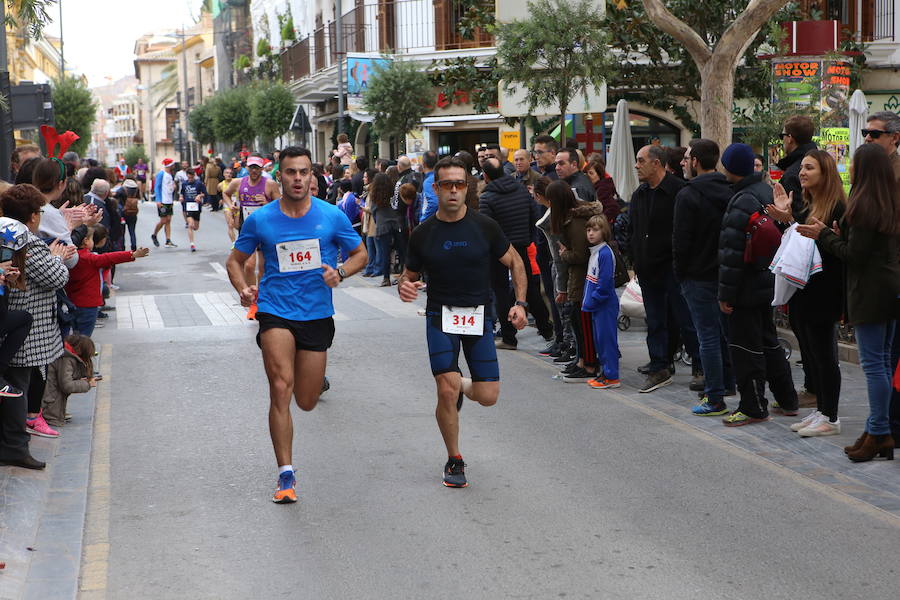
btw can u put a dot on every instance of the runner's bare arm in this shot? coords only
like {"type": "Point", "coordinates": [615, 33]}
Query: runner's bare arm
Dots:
{"type": "Point", "coordinates": [231, 190]}
{"type": "Point", "coordinates": [512, 261]}
{"type": "Point", "coordinates": [235, 267]}
{"type": "Point", "coordinates": [409, 285]}
{"type": "Point", "coordinates": [273, 190]}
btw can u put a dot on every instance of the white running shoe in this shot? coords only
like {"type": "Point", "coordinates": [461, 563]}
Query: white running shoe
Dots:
{"type": "Point", "coordinates": [821, 426]}
{"type": "Point", "coordinates": [807, 420]}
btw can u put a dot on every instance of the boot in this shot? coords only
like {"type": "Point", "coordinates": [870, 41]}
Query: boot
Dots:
{"type": "Point", "coordinates": [698, 382]}
{"type": "Point", "coordinates": [874, 445]}
{"type": "Point", "coordinates": [856, 445]}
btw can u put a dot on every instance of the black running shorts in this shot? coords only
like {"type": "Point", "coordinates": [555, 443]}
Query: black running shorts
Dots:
{"type": "Point", "coordinates": [315, 336]}
{"type": "Point", "coordinates": [164, 210]}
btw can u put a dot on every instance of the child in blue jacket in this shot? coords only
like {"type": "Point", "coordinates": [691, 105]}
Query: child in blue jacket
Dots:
{"type": "Point", "coordinates": [601, 301]}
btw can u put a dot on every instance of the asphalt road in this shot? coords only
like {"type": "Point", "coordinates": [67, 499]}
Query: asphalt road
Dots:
{"type": "Point", "coordinates": [573, 493]}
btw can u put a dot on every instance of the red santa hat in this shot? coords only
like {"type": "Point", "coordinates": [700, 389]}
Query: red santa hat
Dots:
{"type": "Point", "coordinates": [167, 161]}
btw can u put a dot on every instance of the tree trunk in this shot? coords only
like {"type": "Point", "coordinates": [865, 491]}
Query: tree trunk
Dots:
{"type": "Point", "coordinates": [716, 101]}
{"type": "Point", "coordinates": [562, 129]}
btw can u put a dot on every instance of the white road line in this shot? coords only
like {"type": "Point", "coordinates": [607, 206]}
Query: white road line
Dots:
{"type": "Point", "coordinates": [123, 312]}
{"type": "Point", "coordinates": [214, 316]}
{"type": "Point", "coordinates": [385, 302]}
{"type": "Point", "coordinates": [221, 273]}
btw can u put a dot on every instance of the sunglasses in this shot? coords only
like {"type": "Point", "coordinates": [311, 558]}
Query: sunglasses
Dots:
{"type": "Point", "coordinates": [873, 133]}
{"type": "Point", "coordinates": [783, 135]}
{"type": "Point", "coordinates": [452, 184]}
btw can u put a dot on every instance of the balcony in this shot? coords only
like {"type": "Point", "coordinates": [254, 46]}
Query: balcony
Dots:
{"type": "Point", "coordinates": [861, 20]}
{"type": "Point", "coordinates": [416, 27]}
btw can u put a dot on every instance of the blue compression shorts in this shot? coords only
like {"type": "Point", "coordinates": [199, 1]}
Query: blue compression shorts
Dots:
{"type": "Point", "coordinates": [443, 350]}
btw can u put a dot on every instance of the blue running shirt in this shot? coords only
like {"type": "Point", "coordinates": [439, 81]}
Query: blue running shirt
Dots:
{"type": "Point", "coordinates": [297, 295]}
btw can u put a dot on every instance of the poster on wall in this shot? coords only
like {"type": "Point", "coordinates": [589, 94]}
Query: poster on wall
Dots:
{"type": "Point", "coordinates": [359, 72]}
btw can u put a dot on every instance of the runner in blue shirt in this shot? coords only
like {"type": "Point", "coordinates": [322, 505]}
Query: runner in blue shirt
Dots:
{"type": "Point", "coordinates": [299, 237]}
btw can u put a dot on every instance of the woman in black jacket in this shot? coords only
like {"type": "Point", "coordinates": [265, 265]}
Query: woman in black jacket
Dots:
{"type": "Point", "coordinates": [868, 241]}
{"type": "Point", "coordinates": [816, 309]}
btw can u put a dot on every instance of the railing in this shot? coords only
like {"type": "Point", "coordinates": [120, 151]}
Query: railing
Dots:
{"type": "Point", "coordinates": [383, 26]}
{"type": "Point", "coordinates": [883, 26]}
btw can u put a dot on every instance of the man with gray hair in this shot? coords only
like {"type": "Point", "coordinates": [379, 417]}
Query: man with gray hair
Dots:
{"type": "Point", "coordinates": [97, 196]}
{"type": "Point", "coordinates": [883, 129]}
{"type": "Point", "coordinates": [650, 231]}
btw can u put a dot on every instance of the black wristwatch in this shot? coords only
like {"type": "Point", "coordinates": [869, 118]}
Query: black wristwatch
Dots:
{"type": "Point", "coordinates": [522, 304]}
{"type": "Point", "coordinates": [342, 273]}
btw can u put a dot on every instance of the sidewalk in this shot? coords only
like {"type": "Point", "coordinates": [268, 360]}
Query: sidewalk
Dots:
{"type": "Point", "coordinates": [42, 512]}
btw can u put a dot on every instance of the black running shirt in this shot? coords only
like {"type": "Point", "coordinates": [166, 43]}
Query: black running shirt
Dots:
{"type": "Point", "coordinates": [458, 258]}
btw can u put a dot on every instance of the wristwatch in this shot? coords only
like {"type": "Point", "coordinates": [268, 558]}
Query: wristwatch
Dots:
{"type": "Point", "coordinates": [342, 273]}
{"type": "Point", "coordinates": [522, 304]}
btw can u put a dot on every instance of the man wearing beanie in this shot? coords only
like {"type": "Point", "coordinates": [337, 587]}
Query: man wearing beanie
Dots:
{"type": "Point", "coordinates": [746, 290]}
{"type": "Point", "coordinates": [650, 228]}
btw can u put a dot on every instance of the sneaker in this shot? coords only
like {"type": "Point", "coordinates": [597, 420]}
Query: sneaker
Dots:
{"type": "Point", "coordinates": [193, 248]}
{"type": "Point", "coordinates": [654, 381]}
{"type": "Point", "coordinates": [566, 357]}
{"type": "Point", "coordinates": [550, 350]}
{"type": "Point", "coordinates": [251, 312]}
{"type": "Point", "coordinates": [570, 368]}
{"type": "Point", "coordinates": [738, 419]}
{"type": "Point", "coordinates": [39, 427]}
{"type": "Point", "coordinates": [171, 244]}
{"type": "Point", "coordinates": [155, 240]}
{"type": "Point", "coordinates": [709, 409]}
{"type": "Point", "coordinates": [788, 412]}
{"type": "Point", "coordinates": [326, 385]}
{"type": "Point", "coordinates": [579, 375]}
{"type": "Point", "coordinates": [102, 315]}
{"type": "Point", "coordinates": [67, 417]}
{"type": "Point", "coordinates": [502, 344]}
{"type": "Point", "coordinates": [807, 420]}
{"type": "Point", "coordinates": [698, 381]}
{"type": "Point", "coordinates": [821, 426]}
{"type": "Point", "coordinates": [602, 383]}
{"type": "Point", "coordinates": [9, 391]}
{"type": "Point", "coordinates": [284, 493]}
{"type": "Point", "coordinates": [644, 369]}
{"type": "Point", "coordinates": [455, 473]}
{"type": "Point", "coordinates": [113, 286]}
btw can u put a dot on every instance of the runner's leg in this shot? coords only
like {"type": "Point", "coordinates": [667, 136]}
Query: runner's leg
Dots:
{"type": "Point", "coordinates": [192, 227]}
{"type": "Point", "coordinates": [279, 350]}
{"type": "Point", "coordinates": [446, 414]}
{"type": "Point", "coordinates": [309, 373]}
{"type": "Point", "coordinates": [168, 225]}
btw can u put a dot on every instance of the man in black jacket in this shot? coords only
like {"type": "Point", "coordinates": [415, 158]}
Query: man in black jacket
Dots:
{"type": "Point", "coordinates": [506, 201]}
{"type": "Point", "coordinates": [569, 170]}
{"type": "Point", "coordinates": [544, 153]}
{"type": "Point", "coordinates": [745, 295]}
{"type": "Point", "coordinates": [362, 163]}
{"type": "Point", "coordinates": [699, 208]}
{"type": "Point", "coordinates": [650, 228]}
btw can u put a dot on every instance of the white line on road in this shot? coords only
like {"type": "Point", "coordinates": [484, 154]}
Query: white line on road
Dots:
{"type": "Point", "coordinates": [221, 273]}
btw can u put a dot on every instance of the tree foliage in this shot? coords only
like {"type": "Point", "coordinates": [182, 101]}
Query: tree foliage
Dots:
{"type": "Point", "coordinates": [230, 116]}
{"type": "Point", "coordinates": [74, 109]}
{"type": "Point", "coordinates": [30, 14]}
{"type": "Point", "coordinates": [200, 121]}
{"type": "Point", "coordinates": [560, 52]}
{"type": "Point", "coordinates": [134, 153]}
{"type": "Point", "coordinates": [271, 110]}
{"type": "Point", "coordinates": [464, 77]}
{"type": "Point", "coordinates": [399, 95]}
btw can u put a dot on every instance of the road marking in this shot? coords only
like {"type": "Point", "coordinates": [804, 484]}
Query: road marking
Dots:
{"type": "Point", "coordinates": [385, 302]}
{"type": "Point", "coordinates": [95, 555]}
{"type": "Point", "coordinates": [221, 273]}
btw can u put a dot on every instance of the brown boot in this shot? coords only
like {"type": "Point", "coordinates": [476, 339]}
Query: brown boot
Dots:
{"type": "Point", "coordinates": [874, 445]}
{"type": "Point", "coordinates": [856, 445]}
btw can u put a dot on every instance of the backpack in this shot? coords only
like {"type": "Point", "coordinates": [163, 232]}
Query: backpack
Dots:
{"type": "Point", "coordinates": [620, 271]}
{"type": "Point", "coordinates": [762, 238]}
{"type": "Point", "coordinates": [131, 207]}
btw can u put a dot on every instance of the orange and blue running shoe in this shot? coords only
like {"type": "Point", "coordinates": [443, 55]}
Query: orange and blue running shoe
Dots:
{"type": "Point", "coordinates": [455, 473]}
{"type": "Point", "coordinates": [285, 493]}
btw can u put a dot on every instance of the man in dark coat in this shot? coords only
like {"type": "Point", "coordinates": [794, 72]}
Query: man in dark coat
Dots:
{"type": "Point", "coordinates": [508, 202]}
{"type": "Point", "coordinates": [746, 290]}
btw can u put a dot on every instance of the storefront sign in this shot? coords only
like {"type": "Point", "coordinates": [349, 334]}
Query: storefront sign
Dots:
{"type": "Point", "coordinates": [510, 140]}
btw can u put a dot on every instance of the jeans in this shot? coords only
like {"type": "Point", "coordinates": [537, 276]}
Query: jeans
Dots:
{"type": "Point", "coordinates": [818, 345]}
{"type": "Point", "coordinates": [703, 302]}
{"type": "Point", "coordinates": [659, 293]}
{"type": "Point", "coordinates": [504, 298]}
{"type": "Point", "coordinates": [545, 263]}
{"type": "Point", "coordinates": [84, 320]}
{"type": "Point", "coordinates": [758, 358]}
{"type": "Point", "coordinates": [131, 225]}
{"type": "Point", "coordinates": [372, 249]}
{"type": "Point", "coordinates": [385, 243]}
{"type": "Point", "coordinates": [874, 343]}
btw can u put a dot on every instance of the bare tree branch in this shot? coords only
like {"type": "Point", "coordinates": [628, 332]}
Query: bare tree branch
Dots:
{"type": "Point", "coordinates": [739, 34]}
{"type": "Point", "coordinates": [678, 29]}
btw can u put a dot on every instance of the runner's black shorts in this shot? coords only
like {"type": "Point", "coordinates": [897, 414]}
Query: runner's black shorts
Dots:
{"type": "Point", "coordinates": [164, 210]}
{"type": "Point", "coordinates": [479, 350]}
{"type": "Point", "coordinates": [315, 336]}
{"type": "Point", "coordinates": [193, 215]}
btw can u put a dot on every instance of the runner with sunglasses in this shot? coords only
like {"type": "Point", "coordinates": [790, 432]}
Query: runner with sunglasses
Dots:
{"type": "Point", "coordinates": [457, 248]}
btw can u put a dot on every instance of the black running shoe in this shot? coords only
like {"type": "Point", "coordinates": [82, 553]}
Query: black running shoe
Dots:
{"type": "Point", "coordinates": [155, 241]}
{"type": "Point", "coordinates": [325, 386]}
{"type": "Point", "coordinates": [9, 391]}
{"type": "Point", "coordinates": [455, 473]}
{"type": "Point", "coordinates": [564, 358]}
{"type": "Point", "coordinates": [550, 350]}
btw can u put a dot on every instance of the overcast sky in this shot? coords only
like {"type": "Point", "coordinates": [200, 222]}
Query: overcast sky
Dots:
{"type": "Point", "coordinates": [99, 35]}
